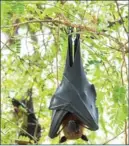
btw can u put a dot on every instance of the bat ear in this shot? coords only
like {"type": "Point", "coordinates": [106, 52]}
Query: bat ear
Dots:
{"type": "Point", "coordinates": [63, 139]}
{"type": "Point", "coordinates": [93, 90]}
{"type": "Point", "coordinates": [84, 137]}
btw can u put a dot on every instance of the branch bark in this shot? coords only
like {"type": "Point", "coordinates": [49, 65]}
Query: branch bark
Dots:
{"type": "Point", "coordinates": [66, 23]}
{"type": "Point", "coordinates": [126, 134]}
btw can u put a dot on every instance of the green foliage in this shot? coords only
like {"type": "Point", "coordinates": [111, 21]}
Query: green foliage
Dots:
{"type": "Point", "coordinates": [33, 55]}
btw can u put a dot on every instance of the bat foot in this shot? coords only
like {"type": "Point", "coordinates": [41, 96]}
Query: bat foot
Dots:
{"type": "Point", "coordinates": [63, 139]}
{"type": "Point", "coordinates": [84, 137]}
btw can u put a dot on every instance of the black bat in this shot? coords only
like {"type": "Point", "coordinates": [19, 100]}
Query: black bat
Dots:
{"type": "Point", "coordinates": [75, 95]}
{"type": "Point", "coordinates": [31, 124]}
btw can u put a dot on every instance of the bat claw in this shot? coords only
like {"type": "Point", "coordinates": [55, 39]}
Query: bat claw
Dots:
{"type": "Point", "coordinates": [63, 139]}
{"type": "Point", "coordinates": [84, 137]}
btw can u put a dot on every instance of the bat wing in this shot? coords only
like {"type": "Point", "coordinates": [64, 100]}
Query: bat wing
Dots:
{"type": "Point", "coordinates": [30, 101]}
{"type": "Point", "coordinates": [67, 98]}
{"type": "Point", "coordinates": [75, 94]}
{"type": "Point", "coordinates": [57, 118]}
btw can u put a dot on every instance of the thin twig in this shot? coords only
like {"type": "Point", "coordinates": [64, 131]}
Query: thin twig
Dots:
{"type": "Point", "coordinates": [126, 134]}
{"type": "Point", "coordinates": [122, 79]}
{"type": "Point", "coordinates": [36, 130]}
{"type": "Point", "coordinates": [44, 43]}
{"type": "Point", "coordinates": [26, 40]}
{"type": "Point", "coordinates": [121, 17]}
{"type": "Point", "coordinates": [5, 45]}
{"type": "Point", "coordinates": [57, 43]}
{"type": "Point", "coordinates": [114, 137]}
{"type": "Point", "coordinates": [19, 128]}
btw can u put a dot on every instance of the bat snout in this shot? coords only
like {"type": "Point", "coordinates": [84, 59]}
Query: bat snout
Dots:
{"type": "Point", "coordinates": [73, 126]}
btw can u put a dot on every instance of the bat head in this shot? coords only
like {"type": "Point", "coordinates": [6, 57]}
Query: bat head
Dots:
{"type": "Point", "coordinates": [16, 110]}
{"type": "Point", "coordinates": [72, 128]}
{"type": "Point", "coordinates": [15, 103]}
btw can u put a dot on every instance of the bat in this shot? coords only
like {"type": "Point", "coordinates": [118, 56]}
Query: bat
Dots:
{"type": "Point", "coordinates": [30, 122]}
{"type": "Point", "coordinates": [75, 95]}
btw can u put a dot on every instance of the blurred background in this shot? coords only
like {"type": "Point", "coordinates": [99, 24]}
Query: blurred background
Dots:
{"type": "Point", "coordinates": [33, 52]}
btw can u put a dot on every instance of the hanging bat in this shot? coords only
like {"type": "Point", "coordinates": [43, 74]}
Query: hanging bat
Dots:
{"type": "Point", "coordinates": [30, 123]}
{"type": "Point", "coordinates": [75, 95]}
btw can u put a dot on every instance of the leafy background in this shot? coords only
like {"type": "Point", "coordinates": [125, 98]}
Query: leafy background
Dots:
{"type": "Point", "coordinates": [33, 52]}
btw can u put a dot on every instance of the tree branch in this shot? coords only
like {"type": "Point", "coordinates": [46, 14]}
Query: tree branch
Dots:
{"type": "Point", "coordinates": [64, 22]}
